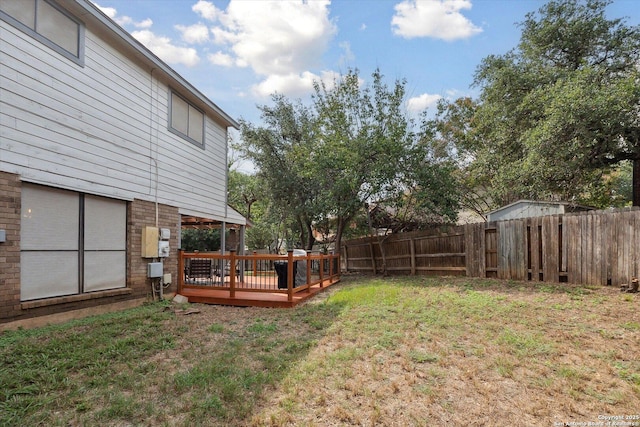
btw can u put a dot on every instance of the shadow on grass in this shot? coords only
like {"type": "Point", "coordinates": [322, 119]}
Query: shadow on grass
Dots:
{"type": "Point", "coordinates": [147, 366]}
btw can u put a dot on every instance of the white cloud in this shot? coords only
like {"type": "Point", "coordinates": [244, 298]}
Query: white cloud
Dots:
{"type": "Point", "coordinates": [281, 38]}
{"type": "Point", "coordinates": [293, 84]}
{"type": "Point", "coordinates": [439, 19]}
{"type": "Point", "coordinates": [420, 103]}
{"type": "Point", "coordinates": [123, 20]}
{"type": "Point", "coordinates": [161, 46]}
{"type": "Point", "coordinates": [220, 58]}
{"type": "Point", "coordinates": [347, 56]}
{"type": "Point", "coordinates": [207, 10]}
{"type": "Point", "coordinates": [147, 23]}
{"type": "Point", "coordinates": [194, 34]}
{"type": "Point", "coordinates": [165, 49]}
{"type": "Point", "coordinates": [111, 12]}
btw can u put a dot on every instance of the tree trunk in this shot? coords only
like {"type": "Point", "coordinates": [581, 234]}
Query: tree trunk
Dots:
{"type": "Point", "coordinates": [636, 182]}
{"type": "Point", "coordinates": [311, 240]}
{"type": "Point", "coordinates": [339, 230]}
{"type": "Point", "coordinates": [373, 234]}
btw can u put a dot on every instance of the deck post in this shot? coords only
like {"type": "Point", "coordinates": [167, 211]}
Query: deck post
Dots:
{"type": "Point", "coordinates": [290, 278]}
{"type": "Point", "coordinates": [308, 271]}
{"type": "Point", "coordinates": [321, 270]}
{"type": "Point", "coordinates": [232, 273]}
{"type": "Point", "coordinates": [180, 269]}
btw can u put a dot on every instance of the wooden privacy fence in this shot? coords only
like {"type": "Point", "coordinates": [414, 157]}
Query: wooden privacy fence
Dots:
{"type": "Point", "coordinates": [594, 248]}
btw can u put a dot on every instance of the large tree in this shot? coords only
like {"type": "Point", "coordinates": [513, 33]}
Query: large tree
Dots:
{"type": "Point", "coordinates": [559, 111]}
{"type": "Point", "coordinates": [326, 164]}
{"type": "Point", "coordinates": [279, 149]}
{"type": "Point", "coordinates": [363, 136]}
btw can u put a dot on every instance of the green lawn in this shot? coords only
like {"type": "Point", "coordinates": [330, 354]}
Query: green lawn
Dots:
{"type": "Point", "coordinates": [370, 351]}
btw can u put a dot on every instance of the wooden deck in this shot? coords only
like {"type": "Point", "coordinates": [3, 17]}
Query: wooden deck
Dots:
{"type": "Point", "coordinates": [258, 285]}
{"type": "Point", "coordinates": [251, 298]}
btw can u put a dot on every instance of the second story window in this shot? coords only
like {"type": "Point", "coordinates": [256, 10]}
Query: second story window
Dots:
{"type": "Point", "coordinates": [186, 120]}
{"type": "Point", "coordinates": [47, 23]}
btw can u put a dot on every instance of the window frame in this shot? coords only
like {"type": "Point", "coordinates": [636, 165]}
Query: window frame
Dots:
{"type": "Point", "coordinates": [178, 132]}
{"type": "Point", "coordinates": [32, 32]}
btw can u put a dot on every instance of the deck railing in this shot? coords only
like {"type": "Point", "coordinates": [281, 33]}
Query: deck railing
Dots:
{"type": "Point", "coordinates": [287, 274]}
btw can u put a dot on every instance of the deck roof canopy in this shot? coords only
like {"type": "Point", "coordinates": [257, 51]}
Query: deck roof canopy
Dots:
{"type": "Point", "coordinates": [205, 223]}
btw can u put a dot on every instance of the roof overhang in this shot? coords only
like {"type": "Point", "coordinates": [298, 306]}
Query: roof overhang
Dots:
{"type": "Point", "coordinates": [207, 223]}
{"type": "Point", "coordinates": [201, 220]}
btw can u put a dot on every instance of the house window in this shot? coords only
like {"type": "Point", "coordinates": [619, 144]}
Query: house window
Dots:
{"type": "Point", "coordinates": [186, 120]}
{"type": "Point", "coordinates": [70, 243]}
{"type": "Point", "coordinates": [47, 23]}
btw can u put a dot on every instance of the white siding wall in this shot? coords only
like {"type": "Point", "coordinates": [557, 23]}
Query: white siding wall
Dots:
{"type": "Point", "coordinates": [101, 128]}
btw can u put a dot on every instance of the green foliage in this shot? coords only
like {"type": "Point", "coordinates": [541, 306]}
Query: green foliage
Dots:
{"type": "Point", "coordinates": [244, 192]}
{"type": "Point", "coordinates": [279, 150]}
{"type": "Point", "coordinates": [249, 195]}
{"type": "Point", "coordinates": [200, 240]}
{"type": "Point", "coordinates": [363, 139]}
{"type": "Point", "coordinates": [555, 116]}
{"type": "Point", "coordinates": [355, 145]}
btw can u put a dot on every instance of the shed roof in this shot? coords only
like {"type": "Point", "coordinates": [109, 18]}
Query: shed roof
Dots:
{"type": "Point", "coordinates": [573, 206]}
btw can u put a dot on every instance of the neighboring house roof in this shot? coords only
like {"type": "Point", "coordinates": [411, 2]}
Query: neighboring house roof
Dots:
{"type": "Point", "coordinates": [534, 208]}
{"type": "Point", "coordinates": [88, 11]}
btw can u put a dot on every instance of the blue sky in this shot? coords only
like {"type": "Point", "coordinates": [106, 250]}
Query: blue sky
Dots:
{"type": "Point", "coordinates": [238, 52]}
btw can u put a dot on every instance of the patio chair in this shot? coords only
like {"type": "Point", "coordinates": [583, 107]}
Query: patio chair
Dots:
{"type": "Point", "coordinates": [198, 271]}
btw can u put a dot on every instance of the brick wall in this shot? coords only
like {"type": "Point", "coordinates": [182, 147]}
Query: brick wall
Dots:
{"type": "Point", "coordinates": [142, 214]}
{"type": "Point", "coordinates": [139, 214]}
{"type": "Point", "coordinates": [10, 201]}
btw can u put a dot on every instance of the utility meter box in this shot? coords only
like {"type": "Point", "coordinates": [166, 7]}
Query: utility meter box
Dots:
{"type": "Point", "coordinates": [154, 270]}
{"type": "Point", "coordinates": [165, 234]}
{"type": "Point", "coordinates": [150, 242]}
{"type": "Point", "coordinates": [163, 248]}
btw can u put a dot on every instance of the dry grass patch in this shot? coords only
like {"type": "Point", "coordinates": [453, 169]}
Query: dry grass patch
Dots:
{"type": "Point", "coordinates": [412, 351]}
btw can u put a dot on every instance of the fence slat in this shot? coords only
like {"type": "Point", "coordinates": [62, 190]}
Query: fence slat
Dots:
{"type": "Point", "coordinates": [571, 234]}
{"type": "Point", "coordinates": [550, 249]}
{"type": "Point", "coordinates": [474, 244]}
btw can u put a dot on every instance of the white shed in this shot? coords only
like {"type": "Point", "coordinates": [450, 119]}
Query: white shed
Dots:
{"type": "Point", "coordinates": [531, 208]}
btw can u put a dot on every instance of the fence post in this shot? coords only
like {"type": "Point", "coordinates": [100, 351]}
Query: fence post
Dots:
{"type": "Point", "coordinates": [290, 278]}
{"type": "Point", "coordinates": [331, 261]}
{"type": "Point", "coordinates": [412, 245]}
{"type": "Point", "coordinates": [346, 257]}
{"type": "Point", "coordinates": [374, 267]}
{"type": "Point", "coordinates": [232, 273]}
